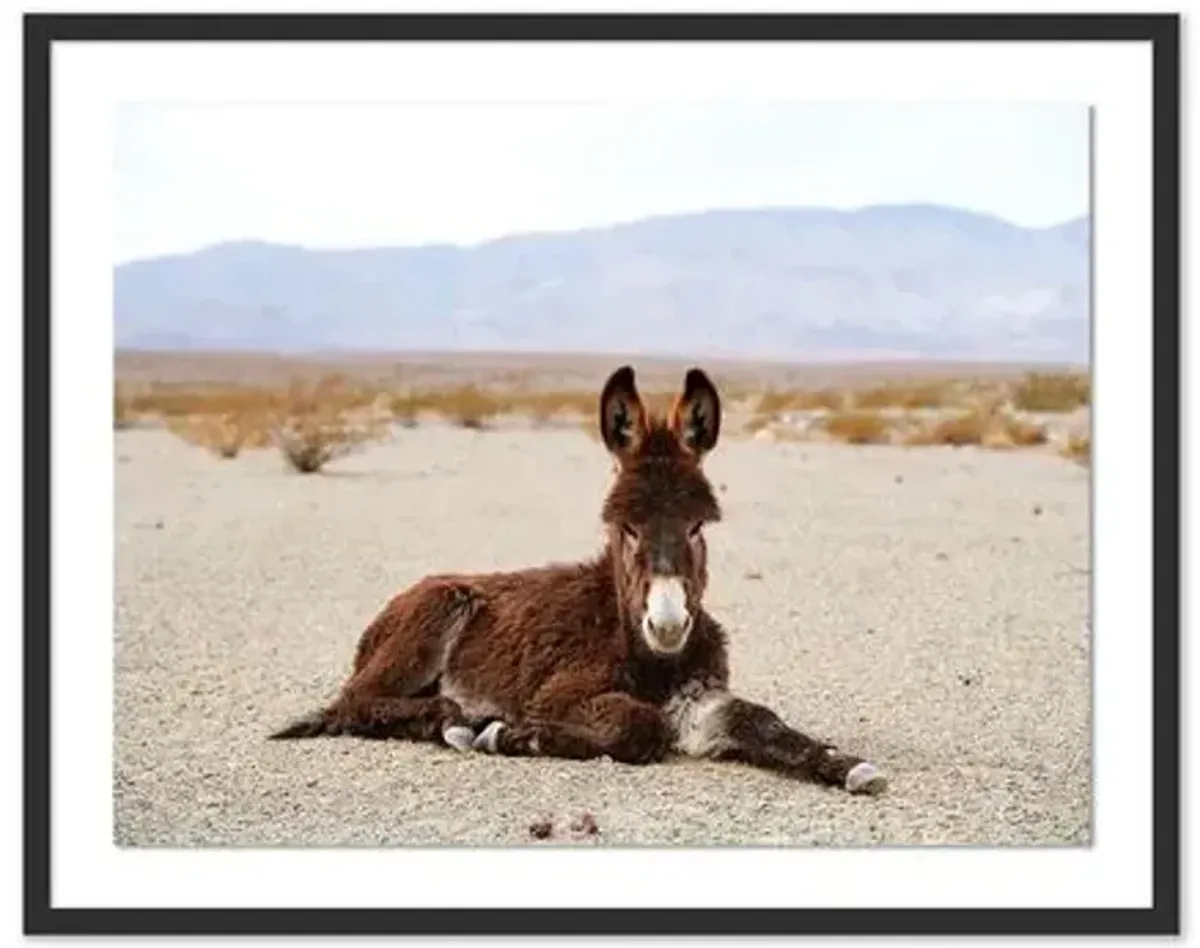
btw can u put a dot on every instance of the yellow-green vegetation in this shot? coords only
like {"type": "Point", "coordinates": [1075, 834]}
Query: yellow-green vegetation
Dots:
{"type": "Point", "coordinates": [772, 401]}
{"type": "Point", "coordinates": [224, 435]}
{"type": "Point", "coordinates": [468, 406]}
{"type": "Point", "coordinates": [990, 429]}
{"type": "Point", "coordinates": [1052, 392]}
{"type": "Point", "coordinates": [542, 407]}
{"type": "Point", "coordinates": [314, 421]}
{"type": "Point", "coordinates": [1078, 448]}
{"type": "Point", "coordinates": [857, 427]}
{"type": "Point", "coordinates": [909, 395]}
{"type": "Point", "coordinates": [123, 414]}
{"type": "Point", "coordinates": [310, 441]}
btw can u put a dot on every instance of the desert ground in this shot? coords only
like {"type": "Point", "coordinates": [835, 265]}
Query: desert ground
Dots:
{"type": "Point", "coordinates": [925, 607]}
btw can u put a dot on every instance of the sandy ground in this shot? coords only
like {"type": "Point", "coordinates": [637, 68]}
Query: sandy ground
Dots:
{"type": "Point", "coordinates": [927, 608]}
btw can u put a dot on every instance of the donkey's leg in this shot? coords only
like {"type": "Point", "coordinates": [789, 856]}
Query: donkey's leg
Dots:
{"type": "Point", "coordinates": [612, 724]}
{"type": "Point", "coordinates": [720, 726]}
{"type": "Point", "coordinates": [407, 644]}
{"type": "Point", "coordinates": [399, 659]}
{"type": "Point", "coordinates": [415, 719]}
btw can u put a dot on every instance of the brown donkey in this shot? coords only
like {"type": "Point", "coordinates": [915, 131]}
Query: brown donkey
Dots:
{"type": "Point", "coordinates": [615, 655]}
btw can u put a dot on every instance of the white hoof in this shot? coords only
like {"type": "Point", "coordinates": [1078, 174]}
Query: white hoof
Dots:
{"type": "Point", "coordinates": [459, 737]}
{"type": "Point", "coordinates": [489, 738]}
{"type": "Point", "coordinates": [864, 778]}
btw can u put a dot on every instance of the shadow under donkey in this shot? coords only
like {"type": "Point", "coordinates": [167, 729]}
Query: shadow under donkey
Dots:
{"type": "Point", "coordinates": [611, 656]}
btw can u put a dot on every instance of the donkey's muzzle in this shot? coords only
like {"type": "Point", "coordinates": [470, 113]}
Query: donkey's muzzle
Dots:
{"type": "Point", "coordinates": [667, 621]}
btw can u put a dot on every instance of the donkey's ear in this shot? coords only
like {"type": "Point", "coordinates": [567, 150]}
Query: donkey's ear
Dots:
{"type": "Point", "coordinates": [696, 414]}
{"type": "Point", "coordinates": [622, 414]}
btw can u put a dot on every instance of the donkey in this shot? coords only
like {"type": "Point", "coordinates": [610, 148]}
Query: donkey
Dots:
{"type": "Point", "coordinates": [611, 656]}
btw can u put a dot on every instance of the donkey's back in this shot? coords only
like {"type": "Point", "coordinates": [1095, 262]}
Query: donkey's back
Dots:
{"type": "Point", "coordinates": [496, 636]}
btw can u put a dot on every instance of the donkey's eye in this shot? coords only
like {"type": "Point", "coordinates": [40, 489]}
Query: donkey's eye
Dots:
{"type": "Point", "coordinates": [694, 532]}
{"type": "Point", "coordinates": [630, 533]}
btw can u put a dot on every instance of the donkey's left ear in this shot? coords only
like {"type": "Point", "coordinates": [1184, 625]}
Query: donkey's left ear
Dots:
{"type": "Point", "coordinates": [696, 414]}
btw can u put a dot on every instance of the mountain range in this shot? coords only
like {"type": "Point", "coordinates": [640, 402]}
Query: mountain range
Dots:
{"type": "Point", "coordinates": [922, 281]}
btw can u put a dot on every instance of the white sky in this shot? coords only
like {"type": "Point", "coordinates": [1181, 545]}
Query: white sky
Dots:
{"type": "Point", "coordinates": [356, 175]}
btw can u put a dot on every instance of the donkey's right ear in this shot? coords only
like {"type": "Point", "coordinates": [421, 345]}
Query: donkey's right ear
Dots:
{"type": "Point", "coordinates": [622, 414]}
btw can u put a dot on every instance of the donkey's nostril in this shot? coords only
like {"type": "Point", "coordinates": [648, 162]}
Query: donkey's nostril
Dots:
{"type": "Point", "coordinates": [673, 625]}
{"type": "Point", "coordinates": [670, 632]}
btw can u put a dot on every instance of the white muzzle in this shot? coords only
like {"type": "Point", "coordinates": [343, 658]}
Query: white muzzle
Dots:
{"type": "Point", "coordinates": [667, 622]}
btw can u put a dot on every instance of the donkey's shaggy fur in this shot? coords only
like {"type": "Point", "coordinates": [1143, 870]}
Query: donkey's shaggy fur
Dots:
{"type": "Point", "coordinates": [612, 656]}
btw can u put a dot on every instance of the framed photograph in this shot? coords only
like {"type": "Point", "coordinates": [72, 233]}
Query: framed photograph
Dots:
{"type": "Point", "coordinates": [560, 474]}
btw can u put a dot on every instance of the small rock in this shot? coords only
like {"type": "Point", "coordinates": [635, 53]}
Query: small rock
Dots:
{"type": "Point", "coordinates": [586, 824]}
{"type": "Point", "coordinates": [158, 524]}
{"type": "Point", "coordinates": [311, 783]}
{"type": "Point", "coordinates": [941, 556]}
{"type": "Point", "coordinates": [899, 478]}
{"type": "Point", "coordinates": [754, 574]}
{"type": "Point", "coordinates": [1037, 510]}
{"type": "Point", "coordinates": [541, 829]}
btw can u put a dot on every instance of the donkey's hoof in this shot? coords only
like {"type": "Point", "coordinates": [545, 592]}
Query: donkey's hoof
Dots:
{"type": "Point", "coordinates": [488, 739]}
{"type": "Point", "coordinates": [864, 778]}
{"type": "Point", "coordinates": [459, 736]}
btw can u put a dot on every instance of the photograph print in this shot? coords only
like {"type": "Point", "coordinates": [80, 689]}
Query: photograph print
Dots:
{"type": "Point", "coordinates": [599, 476]}
{"type": "Point", "coordinates": [711, 463]}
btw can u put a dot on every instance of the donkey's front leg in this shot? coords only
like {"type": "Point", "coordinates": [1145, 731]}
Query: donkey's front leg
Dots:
{"type": "Point", "coordinates": [721, 726]}
{"type": "Point", "coordinates": [612, 724]}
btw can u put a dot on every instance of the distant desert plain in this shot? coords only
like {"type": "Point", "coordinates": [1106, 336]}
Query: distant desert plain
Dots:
{"type": "Point", "coordinates": [903, 568]}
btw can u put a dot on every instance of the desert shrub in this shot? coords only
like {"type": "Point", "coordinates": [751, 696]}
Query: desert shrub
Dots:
{"type": "Point", "coordinates": [468, 406]}
{"type": "Point", "coordinates": [1006, 432]}
{"type": "Point", "coordinates": [930, 394]}
{"type": "Point", "coordinates": [123, 413]}
{"type": "Point", "coordinates": [319, 422]}
{"type": "Point", "coordinates": [406, 408]}
{"type": "Point", "coordinates": [816, 400]}
{"type": "Point", "coordinates": [223, 435]}
{"type": "Point", "coordinates": [541, 407]}
{"type": "Point", "coordinates": [989, 429]}
{"type": "Point", "coordinates": [172, 401]}
{"type": "Point", "coordinates": [1052, 392]}
{"type": "Point", "coordinates": [965, 428]}
{"type": "Point", "coordinates": [773, 401]}
{"type": "Point", "coordinates": [309, 441]}
{"type": "Point", "coordinates": [332, 393]}
{"type": "Point", "coordinates": [857, 427]}
{"type": "Point", "coordinates": [1078, 448]}
{"type": "Point", "coordinates": [1024, 434]}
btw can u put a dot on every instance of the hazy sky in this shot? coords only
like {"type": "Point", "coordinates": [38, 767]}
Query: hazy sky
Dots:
{"type": "Point", "coordinates": [352, 175]}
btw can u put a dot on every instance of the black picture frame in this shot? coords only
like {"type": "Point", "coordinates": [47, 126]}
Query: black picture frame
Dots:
{"type": "Point", "coordinates": [41, 32]}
